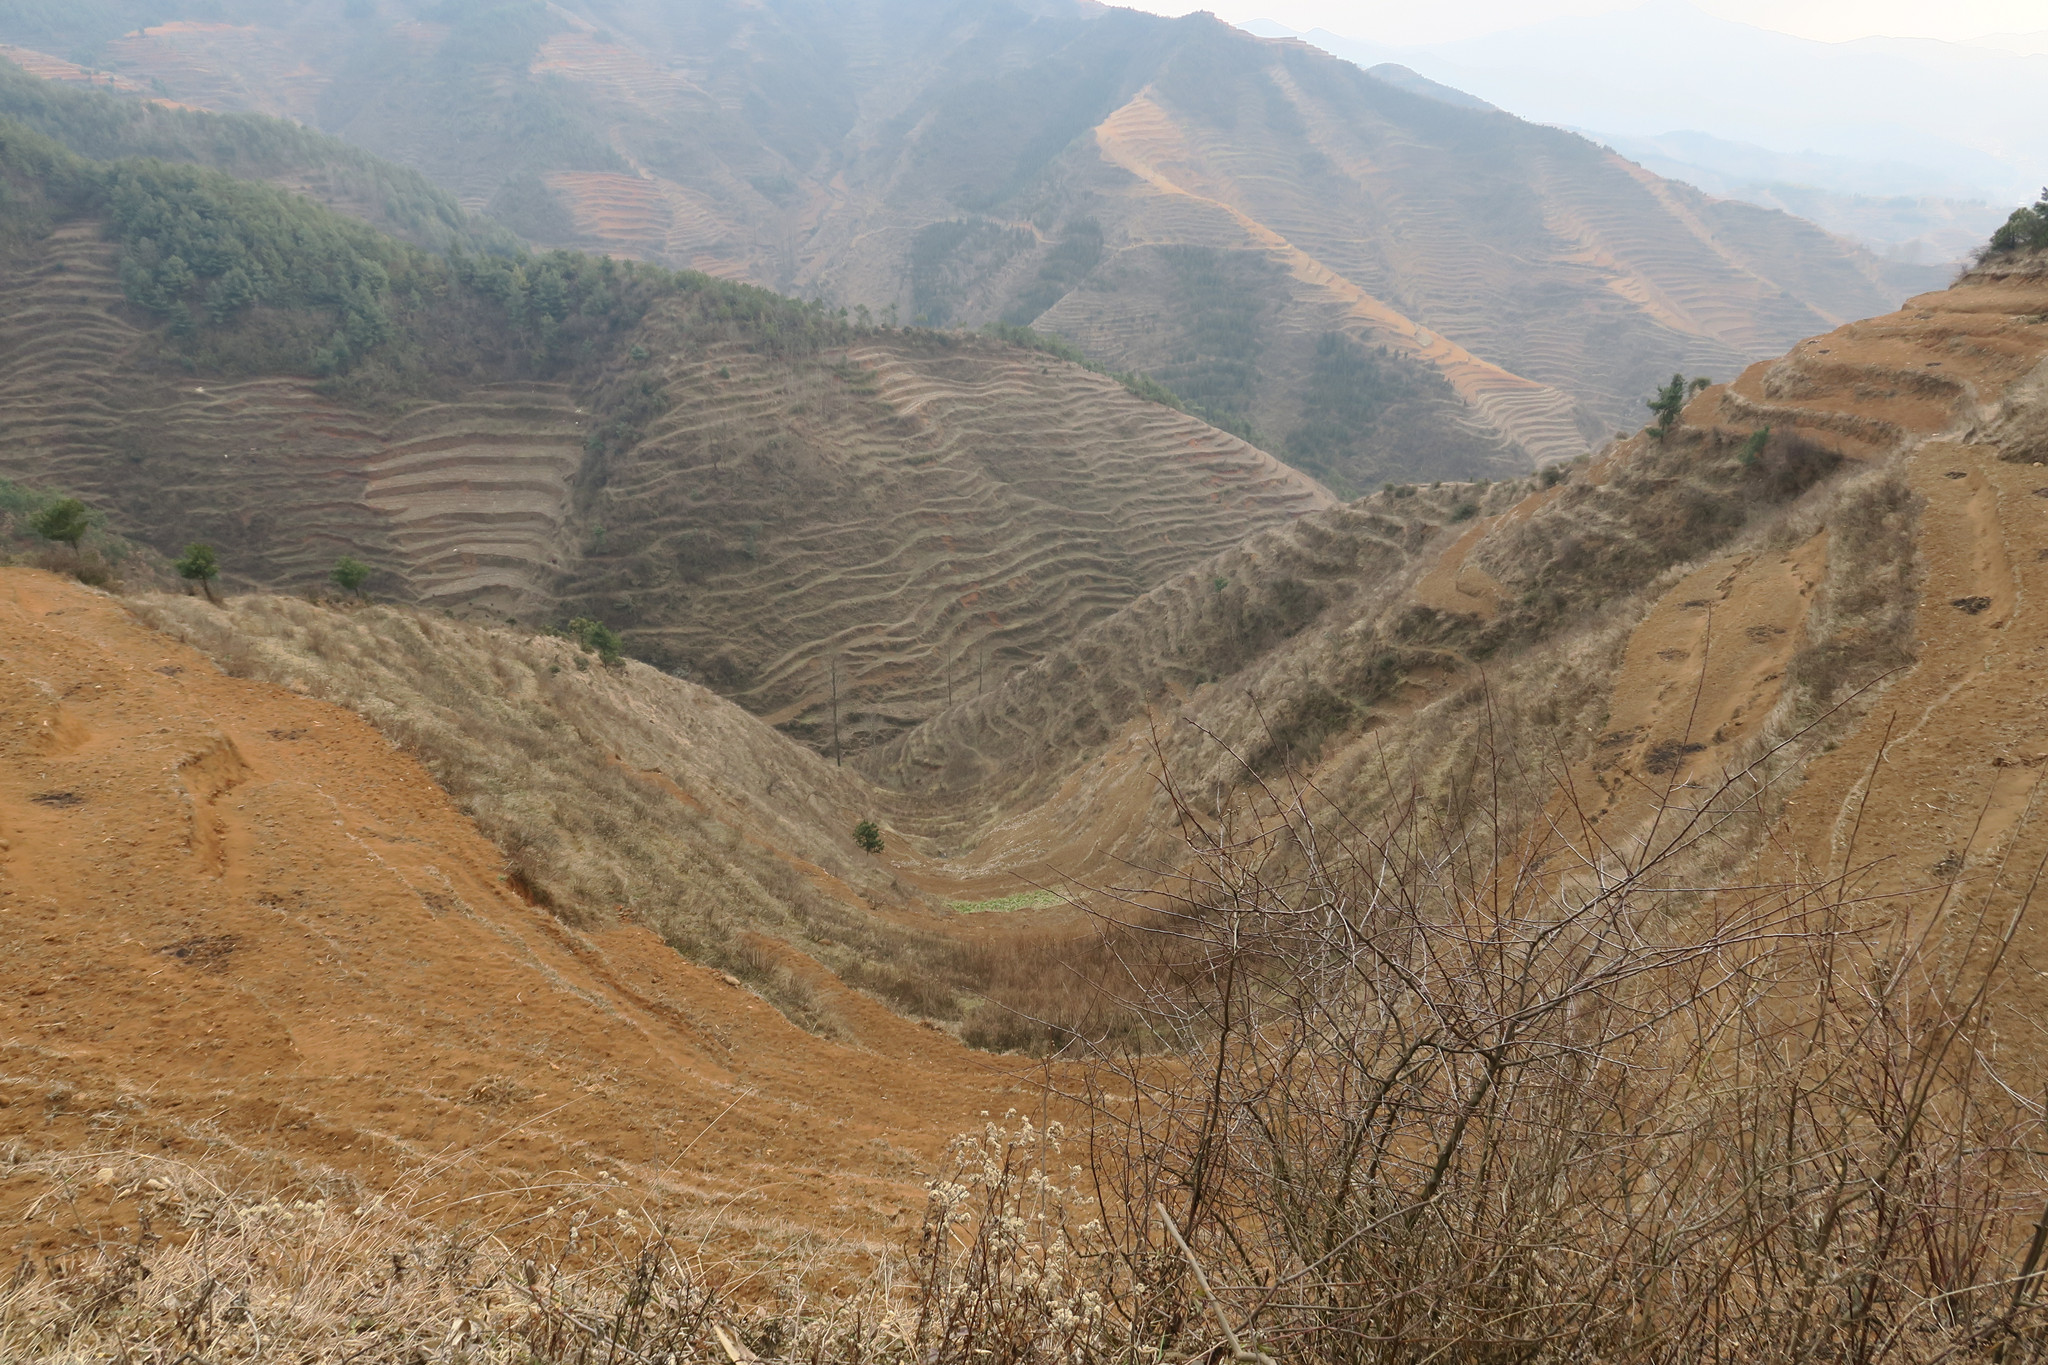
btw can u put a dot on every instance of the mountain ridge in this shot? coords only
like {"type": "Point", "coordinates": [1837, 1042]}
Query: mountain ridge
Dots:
{"type": "Point", "coordinates": [1065, 166]}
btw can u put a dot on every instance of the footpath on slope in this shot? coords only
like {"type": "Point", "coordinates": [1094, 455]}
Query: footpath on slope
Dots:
{"type": "Point", "coordinates": [242, 929]}
{"type": "Point", "coordinates": [1929, 804]}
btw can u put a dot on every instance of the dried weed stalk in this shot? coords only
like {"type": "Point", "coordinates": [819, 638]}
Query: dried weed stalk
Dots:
{"type": "Point", "coordinates": [1433, 1091]}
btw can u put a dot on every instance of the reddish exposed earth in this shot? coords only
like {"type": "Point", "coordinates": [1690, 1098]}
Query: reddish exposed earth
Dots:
{"type": "Point", "coordinates": [242, 928]}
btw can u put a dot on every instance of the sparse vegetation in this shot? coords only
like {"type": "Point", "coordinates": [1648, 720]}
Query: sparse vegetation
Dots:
{"type": "Point", "coordinates": [1436, 1058]}
{"type": "Point", "coordinates": [247, 278]}
{"type": "Point", "coordinates": [1751, 454]}
{"type": "Point", "coordinates": [1021, 900]}
{"type": "Point", "coordinates": [1078, 252]}
{"type": "Point", "coordinates": [526, 747]}
{"type": "Point", "coordinates": [1540, 1173]}
{"type": "Point", "coordinates": [1220, 301]}
{"type": "Point", "coordinates": [24, 512]}
{"type": "Point", "coordinates": [1655, 1124]}
{"type": "Point", "coordinates": [1671, 400]}
{"type": "Point", "coordinates": [1141, 385]}
{"type": "Point", "coordinates": [2026, 230]}
{"type": "Point", "coordinates": [595, 637]}
{"type": "Point", "coordinates": [947, 258]}
{"type": "Point", "coordinates": [106, 127]}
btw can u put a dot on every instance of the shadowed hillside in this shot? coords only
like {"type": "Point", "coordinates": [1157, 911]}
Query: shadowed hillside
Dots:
{"type": "Point", "coordinates": [62, 103]}
{"type": "Point", "coordinates": [1251, 222]}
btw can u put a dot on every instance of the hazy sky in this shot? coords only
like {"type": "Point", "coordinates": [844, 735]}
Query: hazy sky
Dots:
{"type": "Point", "coordinates": [1403, 21]}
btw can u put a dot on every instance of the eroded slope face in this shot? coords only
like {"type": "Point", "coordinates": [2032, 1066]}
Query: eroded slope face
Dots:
{"type": "Point", "coordinates": [1382, 285]}
{"type": "Point", "coordinates": [250, 933]}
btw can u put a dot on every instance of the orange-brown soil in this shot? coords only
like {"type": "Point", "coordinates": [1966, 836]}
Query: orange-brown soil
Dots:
{"type": "Point", "coordinates": [244, 929]}
{"type": "Point", "coordinates": [1933, 386]}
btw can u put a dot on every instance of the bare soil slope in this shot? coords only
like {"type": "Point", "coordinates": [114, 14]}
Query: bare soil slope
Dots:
{"type": "Point", "coordinates": [248, 931]}
{"type": "Point", "coordinates": [258, 935]}
{"type": "Point", "coordinates": [1645, 633]}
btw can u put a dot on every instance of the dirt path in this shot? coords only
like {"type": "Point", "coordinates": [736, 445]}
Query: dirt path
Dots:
{"type": "Point", "coordinates": [1933, 796]}
{"type": "Point", "coordinates": [1940, 782]}
{"type": "Point", "coordinates": [240, 926]}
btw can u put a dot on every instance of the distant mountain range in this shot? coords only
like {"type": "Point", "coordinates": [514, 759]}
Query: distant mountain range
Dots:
{"type": "Point", "coordinates": [1911, 146]}
{"type": "Point", "coordinates": [1374, 282]}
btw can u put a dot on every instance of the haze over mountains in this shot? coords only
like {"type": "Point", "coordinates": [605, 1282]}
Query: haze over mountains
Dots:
{"type": "Point", "coordinates": [1370, 284]}
{"type": "Point", "coordinates": [1909, 145]}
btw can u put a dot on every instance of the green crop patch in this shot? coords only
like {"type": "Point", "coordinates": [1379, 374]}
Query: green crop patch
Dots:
{"type": "Point", "coordinates": [1023, 900]}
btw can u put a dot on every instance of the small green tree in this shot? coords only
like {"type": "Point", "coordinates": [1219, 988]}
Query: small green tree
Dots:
{"type": "Point", "coordinates": [1671, 400]}
{"type": "Point", "coordinates": [599, 639]}
{"type": "Point", "coordinates": [868, 835]}
{"type": "Point", "coordinates": [1752, 451]}
{"type": "Point", "coordinates": [199, 565]}
{"type": "Point", "coordinates": [2028, 227]}
{"type": "Point", "coordinates": [350, 574]}
{"type": "Point", "coordinates": [65, 520]}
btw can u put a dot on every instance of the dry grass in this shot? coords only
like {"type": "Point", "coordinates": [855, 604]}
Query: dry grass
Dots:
{"type": "Point", "coordinates": [218, 1272]}
{"type": "Point", "coordinates": [565, 765]}
{"type": "Point", "coordinates": [551, 761]}
{"type": "Point", "coordinates": [215, 1272]}
{"type": "Point", "coordinates": [1402, 1096]}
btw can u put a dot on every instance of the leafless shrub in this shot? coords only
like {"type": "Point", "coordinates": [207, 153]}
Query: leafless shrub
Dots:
{"type": "Point", "coordinates": [1440, 1095]}
{"type": "Point", "coordinates": [1405, 1093]}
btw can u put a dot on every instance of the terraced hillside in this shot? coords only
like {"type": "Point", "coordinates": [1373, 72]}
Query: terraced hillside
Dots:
{"type": "Point", "coordinates": [1725, 619]}
{"type": "Point", "coordinates": [919, 516]}
{"type": "Point", "coordinates": [1177, 197]}
{"type": "Point", "coordinates": [1824, 560]}
{"type": "Point", "coordinates": [897, 516]}
{"type": "Point", "coordinates": [457, 503]}
{"type": "Point", "coordinates": [270, 954]}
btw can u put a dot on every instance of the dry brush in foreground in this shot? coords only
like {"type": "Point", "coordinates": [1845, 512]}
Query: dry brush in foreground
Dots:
{"type": "Point", "coordinates": [1406, 1093]}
